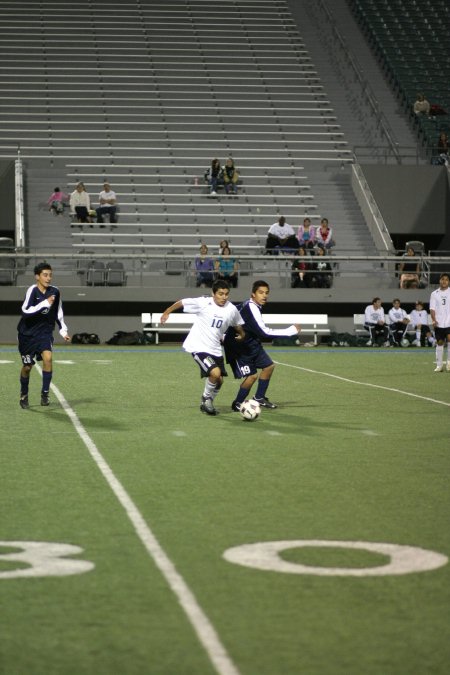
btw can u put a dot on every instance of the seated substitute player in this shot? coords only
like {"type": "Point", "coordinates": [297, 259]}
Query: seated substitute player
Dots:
{"type": "Point", "coordinates": [247, 356]}
{"type": "Point", "coordinates": [419, 320]}
{"type": "Point", "coordinates": [41, 308]}
{"type": "Point", "coordinates": [374, 322]}
{"type": "Point", "coordinates": [440, 318]}
{"type": "Point", "coordinates": [399, 321]}
{"type": "Point", "coordinates": [214, 315]}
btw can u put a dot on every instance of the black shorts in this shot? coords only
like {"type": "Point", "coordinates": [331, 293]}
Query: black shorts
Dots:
{"type": "Point", "coordinates": [442, 333]}
{"type": "Point", "coordinates": [207, 363]}
{"type": "Point", "coordinates": [31, 347]}
{"type": "Point", "coordinates": [249, 361]}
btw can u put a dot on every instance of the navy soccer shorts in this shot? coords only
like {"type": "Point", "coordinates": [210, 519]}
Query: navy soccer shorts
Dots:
{"type": "Point", "coordinates": [31, 347]}
{"type": "Point", "coordinates": [441, 333]}
{"type": "Point", "coordinates": [207, 362]}
{"type": "Point", "coordinates": [249, 362]}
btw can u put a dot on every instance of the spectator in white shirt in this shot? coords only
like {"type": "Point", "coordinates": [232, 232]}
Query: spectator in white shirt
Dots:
{"type": "Point", "coordinates": [108, 205]}
{"type": "Point", "coordinates": [281, 236]}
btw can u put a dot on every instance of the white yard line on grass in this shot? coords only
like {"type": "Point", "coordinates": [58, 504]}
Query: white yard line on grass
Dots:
{"type": "Point", "coordinates": [203, 627]}
{"type": "Point", "coordinates": [364, 384]}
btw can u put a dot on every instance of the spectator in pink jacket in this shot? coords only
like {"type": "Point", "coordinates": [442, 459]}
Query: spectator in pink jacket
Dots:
{"type": "Point", "coordinates": [56, 201]}
{"type": "Point", "coordinates": [306, 235]}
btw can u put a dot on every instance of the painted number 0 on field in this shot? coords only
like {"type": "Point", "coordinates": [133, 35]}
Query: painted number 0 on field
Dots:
{"type": "Point", "coordinates": [403, 559]}
{"type": "Point", "coordinates": [44, 559]}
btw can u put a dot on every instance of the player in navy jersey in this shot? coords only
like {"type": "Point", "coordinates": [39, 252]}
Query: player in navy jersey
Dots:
{"type": "Point", "coordinates": [41, 309]}
{"type": "Point", "coordinates": [246, 357]}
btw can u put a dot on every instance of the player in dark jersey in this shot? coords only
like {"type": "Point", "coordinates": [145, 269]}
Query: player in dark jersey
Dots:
{"type": "Point", "coordinates": [246, 357]}
{"type": "Point", "coordinates": [41, 309]}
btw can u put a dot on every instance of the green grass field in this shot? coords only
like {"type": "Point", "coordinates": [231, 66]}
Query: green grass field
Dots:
{"type": "Point", "coordinates": [125, 467]}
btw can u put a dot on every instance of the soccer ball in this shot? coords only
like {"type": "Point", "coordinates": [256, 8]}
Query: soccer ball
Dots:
{"type": "Point", "coordinates": [250, 410]}
{"type": "Point", "coordinates": [405, 342]}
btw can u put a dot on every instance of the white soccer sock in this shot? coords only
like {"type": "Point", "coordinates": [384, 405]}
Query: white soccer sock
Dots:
{"type": "Point", "coordinates": [439, 354]}
{"type": "Point", "coordinates": [418, 335]}
{"type": "Point", "coordinates": [210, 390]}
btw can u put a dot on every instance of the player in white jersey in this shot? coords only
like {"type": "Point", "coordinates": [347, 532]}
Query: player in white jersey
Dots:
{"type": "Point", "coordinates": [420, 323]}
{"type": "Point", "coordinates": [399, 321]}
{"type": "Point", "coordinates": [374, 322]}
{"type": "Point", "coordinates": [214, 314]}
{"type": "Point", "coordinates": [440, 318]}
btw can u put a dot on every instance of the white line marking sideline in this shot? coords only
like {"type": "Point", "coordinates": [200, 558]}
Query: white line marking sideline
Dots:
{"type": "Point", "coordinates": [204, 629]}
{"type": "Point", "coordinates": [364, 384]}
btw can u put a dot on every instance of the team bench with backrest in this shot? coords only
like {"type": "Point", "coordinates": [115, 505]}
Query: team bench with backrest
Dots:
{"type": "Point", "coordinates": [178, 322]}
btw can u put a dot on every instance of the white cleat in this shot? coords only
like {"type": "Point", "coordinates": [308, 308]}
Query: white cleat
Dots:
{"type": "Point", "coordinates": [439, 369]}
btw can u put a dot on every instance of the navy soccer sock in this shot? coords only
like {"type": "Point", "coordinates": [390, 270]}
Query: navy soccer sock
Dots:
{"type": "Point", "coordinates": [242, 395]}
{"type": "Point", "coordinates": [46, 379]}
{"type": "Point", "coordinates": [24, 383]}
{"type": "Point", "coordinates": [262, 388]}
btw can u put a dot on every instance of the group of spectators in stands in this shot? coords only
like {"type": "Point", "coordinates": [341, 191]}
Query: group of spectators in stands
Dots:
{"type": "Point", "coordinates": [226, 176]}
{"type": "Point", "coordinates": [224, 267]}
{"type": "Point", "coordinates": [80, 204]}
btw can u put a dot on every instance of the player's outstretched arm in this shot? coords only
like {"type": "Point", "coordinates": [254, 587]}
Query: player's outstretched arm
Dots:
{"type": "Point", "coordinates": [173, 308]}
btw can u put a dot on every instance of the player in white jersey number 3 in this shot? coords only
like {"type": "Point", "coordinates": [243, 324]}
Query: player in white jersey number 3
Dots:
{"type": "Point", "coordinates": [214, 314]}
{"type": "Point", "coordinates": [440, 317]}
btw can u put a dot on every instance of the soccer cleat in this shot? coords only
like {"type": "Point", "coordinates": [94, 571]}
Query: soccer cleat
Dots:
{"type": "Point", "coordinates": [24, 402]}
{"type": "Point", "coordinates": [388, 344]}
{"type": "Point", "coordinates": [235, 406]}
{"type": "Point", "coordinates": [448, 367]}
{"type": "Point", "coordinates": [439, 369]}
{"type": "Point", "coordinates": [369, 343]}
{"type": "Point", "coordinates": [44, 398]}
{"type": "Point", "coordinates": [207, 406]}
{"type": "Point", "coordinates": [264, 402]}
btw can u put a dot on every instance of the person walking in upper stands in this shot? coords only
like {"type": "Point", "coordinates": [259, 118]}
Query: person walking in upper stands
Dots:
{"type": "Point", "coordinates": [306, 235]}
{"type": "Point", "coordinates": [230, 177]}
{"type": "Point", "coordinates": [80, 204]}
{"type": "Point", "coordinates": [281, 236]}
{"type": "Point", "coordinates": [214, 176]}
{"type": "Point", "coordinates": [56, 201]}
{"type": "Point", "coordinates": [374, 322]}
{"type": "Point", "coordinates": [421, 105]}
{"type": "Point", "coordinates": [108, 205]}
{"type": "Point", "coordinates": [324, 235]}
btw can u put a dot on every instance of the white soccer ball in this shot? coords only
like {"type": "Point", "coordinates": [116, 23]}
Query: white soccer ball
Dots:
{"type": "Point", "coordinates": [250, 410]}
{"type": "Point", "coordinates": [405, 342]}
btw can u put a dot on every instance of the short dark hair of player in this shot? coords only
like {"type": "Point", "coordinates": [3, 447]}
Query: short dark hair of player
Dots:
{"type": "Point", "coordinates": [220, 283]}
{"type": "Point", "coordinates": [444, 274]}
{"type": "Point", "coordinates": [259, 284]}
{"type": "Point", "coordinates": [41, 267]}
{"type": "Point", "coordinates": [375, 300]}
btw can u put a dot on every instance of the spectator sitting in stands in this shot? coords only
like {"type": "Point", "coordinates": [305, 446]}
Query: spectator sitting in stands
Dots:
{"type": "Point", "coordinates": [322, 270]}
{"type": "Point", "coordinates": [306, 235]}
{"type": "Point", "coordinates": [214, 176]}
{"type": "Point", "coordinates": [56, 201]}
{"type": "Point", "coordinates": [301, 271]}
{"type": "Point", "coordinates": [80, 204]}
{"type": "Point", "coordinates": [230, 177]}
{"type": "Point", "coordinates": [421, 106]}
{"type": "Point", "coordinates": [108, 205]}
{"type": "Point", "coordinates": [205, 268]}
{"type": "Point", "coordinates": [324, 235]}
{"type": "Point", "coordinates": [399, 321]}
{"type": "Point", "coordinates": [374, 322]}
{"type": "Point", "coordinates": [281, 236]}
{"type": "Point", "coordinates": [223, 244]}
{"type": "Point", "coordinates": [409, 271]}
{"type": "Point", "coordinates": [226, 267]}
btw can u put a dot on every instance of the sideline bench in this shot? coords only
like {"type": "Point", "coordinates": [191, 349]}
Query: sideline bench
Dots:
{"type": "Point", "coordinates": [179, 322]}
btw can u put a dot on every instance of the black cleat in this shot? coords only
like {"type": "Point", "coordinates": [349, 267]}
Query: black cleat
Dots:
{"type": "Point", "coordinates": [235, 406]}
{"type": "Point", "coordinates": [24, 402]}
{"type": "Point", "coordinates": [44, 399]}
{"type": "Point", "coordinates": [207, 406]}
{"type": "Point", "coordinates": [264, 402]}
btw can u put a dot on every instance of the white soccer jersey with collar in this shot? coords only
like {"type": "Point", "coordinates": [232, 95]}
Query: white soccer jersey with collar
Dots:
{"type": "Point", "coordinates": [210, 324]}
{"type": "Point", "coordinates": [440, 302]}
{"type": "Point", "coordinates": [419, 317]}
